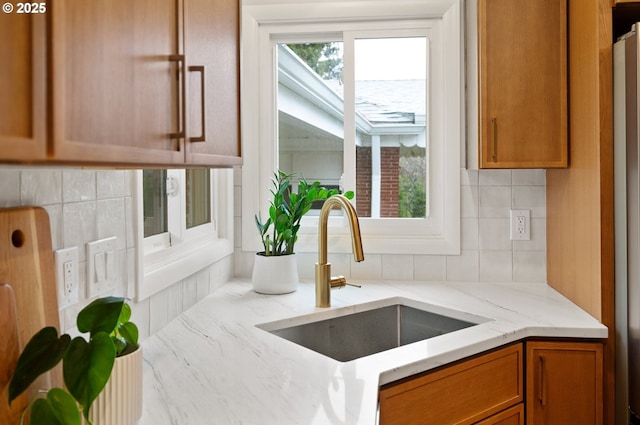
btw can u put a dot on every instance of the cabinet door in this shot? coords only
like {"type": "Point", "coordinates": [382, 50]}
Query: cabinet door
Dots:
{"type": "Point", "coordinates": [522, 83]}
{"type": "Point", "coordinates": [211, 38]}
{"type": "Point", "coordinates": [115, 89]}
{"type": "Point", "coordinates": [22, 86]}
{"type": "Point", "coordinates": [464, 393]}
{"type": "Point", "coordinates": [564, 383]}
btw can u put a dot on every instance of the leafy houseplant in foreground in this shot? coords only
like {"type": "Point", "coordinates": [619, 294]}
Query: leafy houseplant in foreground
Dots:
{"type": "Point", "coordinates": [275, 270]}
{"type": "Point", "coordinates": [86, 364]}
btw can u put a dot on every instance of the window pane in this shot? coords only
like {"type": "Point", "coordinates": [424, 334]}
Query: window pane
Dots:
{"type": "Point", "coordinates": [390, 90]}
{"type": "Point", "coordinates": [154, 202]}
{"type": "Point", "coordinates": [198, 189]}
{"type": "Point", "coordinates": [310, 111]}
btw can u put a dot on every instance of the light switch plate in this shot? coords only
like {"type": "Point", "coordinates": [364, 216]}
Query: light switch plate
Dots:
{"type": "Point", "coordinates": [99, 278]}
{"type": "Point", "coordinates": [66, 264]}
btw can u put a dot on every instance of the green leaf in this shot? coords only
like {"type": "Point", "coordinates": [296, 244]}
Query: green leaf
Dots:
{"type": "Point", "coordinates": [313, 194]}
{"type": "Point", "coordinates": [129, 332]}
{"type": "Point", "coordinates": [42, 353]}
{"type": "Point", "coordinates": [42, 413]}
{"type": "Point", "coordinates": [101, 315]}
{"type": "Point", "coordinates": [125, 313]}
{"type": "Point", "coordinates": [64, 406]}
{"type": "Point", "coordinates": [87, 367]}
{"type": "Point", "coordinates": [349, 194]}
{"type": "Point", "coordinates": [119, 343]}
{"type": "Point", "coordinates": [58, 408]}
{"type": "Point", "coordinates": [272, 213]}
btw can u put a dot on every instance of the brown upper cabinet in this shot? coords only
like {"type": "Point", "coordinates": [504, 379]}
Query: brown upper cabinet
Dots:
{"type": "Point", "coordinates": [522, 46]}
{"type": "Point", "coordinates": [22, 87]}
{"type": "Point", "coordinates": [144, 83]}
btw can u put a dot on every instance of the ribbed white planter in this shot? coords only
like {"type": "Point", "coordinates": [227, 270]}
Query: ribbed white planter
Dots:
{"type": "Point", "coordinates": [120, 403]}
{"type": "Point", "coordinates": [275, 274]}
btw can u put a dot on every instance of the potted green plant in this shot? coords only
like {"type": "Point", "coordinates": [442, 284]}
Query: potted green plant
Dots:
{"type": "Point", "coordinates": [275, 270]}
{"type": "Point", "coordinates": [87, 363]}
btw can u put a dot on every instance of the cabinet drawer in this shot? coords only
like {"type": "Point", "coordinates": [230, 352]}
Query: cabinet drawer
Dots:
{"type": "Point", "coordinates": [464, 393]}
{"type": "Point", "coordinates": [512, 416]}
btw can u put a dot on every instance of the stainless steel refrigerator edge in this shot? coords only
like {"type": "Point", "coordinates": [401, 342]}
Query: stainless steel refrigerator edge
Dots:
{"type": "Point", "coordinates": [627, 226]}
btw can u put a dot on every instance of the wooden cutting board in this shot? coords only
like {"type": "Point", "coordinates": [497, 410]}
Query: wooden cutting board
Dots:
{"type": "Point", "coordinates": [26, 267]}
{"type": "Point", "coordinates": [9, 353]}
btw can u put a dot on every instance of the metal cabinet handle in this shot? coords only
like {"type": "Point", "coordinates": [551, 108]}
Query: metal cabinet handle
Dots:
{"type": "Point", "coordinates": [542, 396]}
{"type": "Point", "coordinates": [179, 60]}
{"type": "Point", "coordinates": [494, 148]}
{"type": "Point", "coordinates": [200, 69]}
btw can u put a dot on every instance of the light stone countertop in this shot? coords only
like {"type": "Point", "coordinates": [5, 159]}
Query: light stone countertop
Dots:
{"type": "Point", "coordinates": [212, 365]}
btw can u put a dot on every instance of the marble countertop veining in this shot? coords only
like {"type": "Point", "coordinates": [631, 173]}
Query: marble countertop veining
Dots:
{"type": "Point", "coordinates": [212, 365]}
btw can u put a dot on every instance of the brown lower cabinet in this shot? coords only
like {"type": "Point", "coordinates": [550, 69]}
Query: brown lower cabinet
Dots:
{"type": "Point", "coordinates": [512, 416]}
{"type": "Point", "coordinates": [563, 386]}
{"type": "Point", "coordinates": [564, 383]}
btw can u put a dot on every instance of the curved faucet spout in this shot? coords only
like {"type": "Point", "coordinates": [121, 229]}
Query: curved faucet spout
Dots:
{"type": "Point", "coordinates": [323, 267]}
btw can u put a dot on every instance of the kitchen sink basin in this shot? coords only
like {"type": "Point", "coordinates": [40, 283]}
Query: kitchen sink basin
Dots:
{"type": "Point", "coordinates": [353, 335]}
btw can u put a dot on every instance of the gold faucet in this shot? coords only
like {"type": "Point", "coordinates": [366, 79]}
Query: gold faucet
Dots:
{"type": "Point", "coordinates": [324, 281]}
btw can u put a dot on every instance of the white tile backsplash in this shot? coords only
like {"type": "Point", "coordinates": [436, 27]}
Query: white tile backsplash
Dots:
{"type": "Point", "coordinates": [495, 201]}
{"type": "Point", "coordinates": [9, 188]}
{"type": "Point", "coordinates": [532, 198]}
{"type": "Point", "coordinates": [85, 205]}
{"type": "Point", "coordinates": [494, 234]}
{"type": "Point", "coordinates": [79, 226]}
{"type": "Point", "coordinates": [529, 266]}
{"type": "Point", "coordinates": [430, 267]}
{"type": "Point", "coordinates": [494, 178]}
{"type": "Point", "coordinates": [397, 267]}
{"type": "Point", "coordinates": [463, 267]}
{"type": "Point", "coordinates": [78, 186]}
{"type": "Point", "coordinates": [40, 187]}
{"type": "Point", "coordinates": [528, 177]}
{"type": "Point", "coordinates": [496, 266]}
{"type": "Point", "coordinates": [487, 252]}
{"type": "Point", "coordinates": [112, 184]}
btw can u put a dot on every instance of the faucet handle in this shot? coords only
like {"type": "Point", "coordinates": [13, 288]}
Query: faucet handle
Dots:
{"type": "Point", "coordinates": [341, 282]}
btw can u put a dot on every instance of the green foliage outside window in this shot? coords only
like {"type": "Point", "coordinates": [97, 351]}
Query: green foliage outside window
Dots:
{"type": "Point", "coordinates": [323, 58]}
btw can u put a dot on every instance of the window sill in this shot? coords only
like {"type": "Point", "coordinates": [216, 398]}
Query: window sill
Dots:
{"type": "Point", "coordinates": [165, 268]}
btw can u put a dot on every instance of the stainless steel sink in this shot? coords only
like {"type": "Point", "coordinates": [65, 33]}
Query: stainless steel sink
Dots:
{"type": "Point", "coordinates": [359, 334]}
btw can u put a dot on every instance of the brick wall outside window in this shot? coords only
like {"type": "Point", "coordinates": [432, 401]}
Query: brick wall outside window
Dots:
{"type": "Point", "coordinates": [390, 169]}
{"type": "Point", "coordinates": [363, 181]}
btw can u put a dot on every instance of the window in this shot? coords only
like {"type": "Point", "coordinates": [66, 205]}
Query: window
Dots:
{"type": "Point", "coordinates": [184, 224]}
{"type": "Point", "coordinates": [388, 84]}
{"type": "Point", "coordinates": [335, 131]}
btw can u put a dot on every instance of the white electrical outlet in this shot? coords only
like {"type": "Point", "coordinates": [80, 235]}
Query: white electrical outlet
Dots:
{"type": "Point", "coordinates": [66, 263]}
{"type": "Point", "coordinates": [520, 225]}
{"type": "Point", "coordinates": [101, 266]}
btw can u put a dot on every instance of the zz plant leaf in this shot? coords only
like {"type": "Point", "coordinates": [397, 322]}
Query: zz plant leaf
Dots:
{"type": "Point", "coordinates": [280, 232]}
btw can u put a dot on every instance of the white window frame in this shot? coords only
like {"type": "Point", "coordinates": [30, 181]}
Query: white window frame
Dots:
{"type": "Point", "coordinates": [263, 23]}
{"type": "Point", "coordinates": [167, 258]}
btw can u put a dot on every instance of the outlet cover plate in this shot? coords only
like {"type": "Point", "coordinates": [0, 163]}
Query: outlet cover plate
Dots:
{"type": "Point", "coordinates": [67, 283]}
{"type": "Point", "coordinates": [520, 225]}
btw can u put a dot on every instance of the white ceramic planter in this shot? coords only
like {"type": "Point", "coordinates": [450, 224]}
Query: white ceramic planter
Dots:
{"type": "Point", "coordinates": [275, 274]}
{"type": "Point", "coordinates": [120, 403]}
